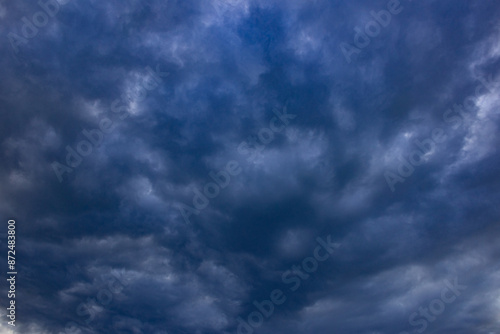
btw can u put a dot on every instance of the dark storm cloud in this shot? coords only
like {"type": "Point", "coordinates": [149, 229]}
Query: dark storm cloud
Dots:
{"type": "Point", "coordinates": [106, 249]}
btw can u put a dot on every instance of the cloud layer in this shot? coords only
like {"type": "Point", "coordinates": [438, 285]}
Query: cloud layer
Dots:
{"type": "Point", "coordinates": [171, 164]}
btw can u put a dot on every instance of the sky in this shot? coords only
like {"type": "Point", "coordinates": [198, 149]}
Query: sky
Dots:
{"type": "Point", "coordinates": [251, 166]}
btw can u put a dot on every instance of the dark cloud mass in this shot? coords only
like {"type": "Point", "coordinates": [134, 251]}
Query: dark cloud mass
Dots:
{"type": "Point", "coordinates": [250, 166]}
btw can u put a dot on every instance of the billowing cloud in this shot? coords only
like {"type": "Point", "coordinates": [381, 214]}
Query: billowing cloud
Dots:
{"type": "Point", "coordinates": [247, 166]}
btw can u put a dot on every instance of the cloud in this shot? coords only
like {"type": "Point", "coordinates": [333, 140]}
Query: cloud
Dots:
{"type": "Point", "coordinates": [105, 249]}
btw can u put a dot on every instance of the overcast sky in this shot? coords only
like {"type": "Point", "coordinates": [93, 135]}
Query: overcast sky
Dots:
{"type": "Point", "coordinates": [251, 166]}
